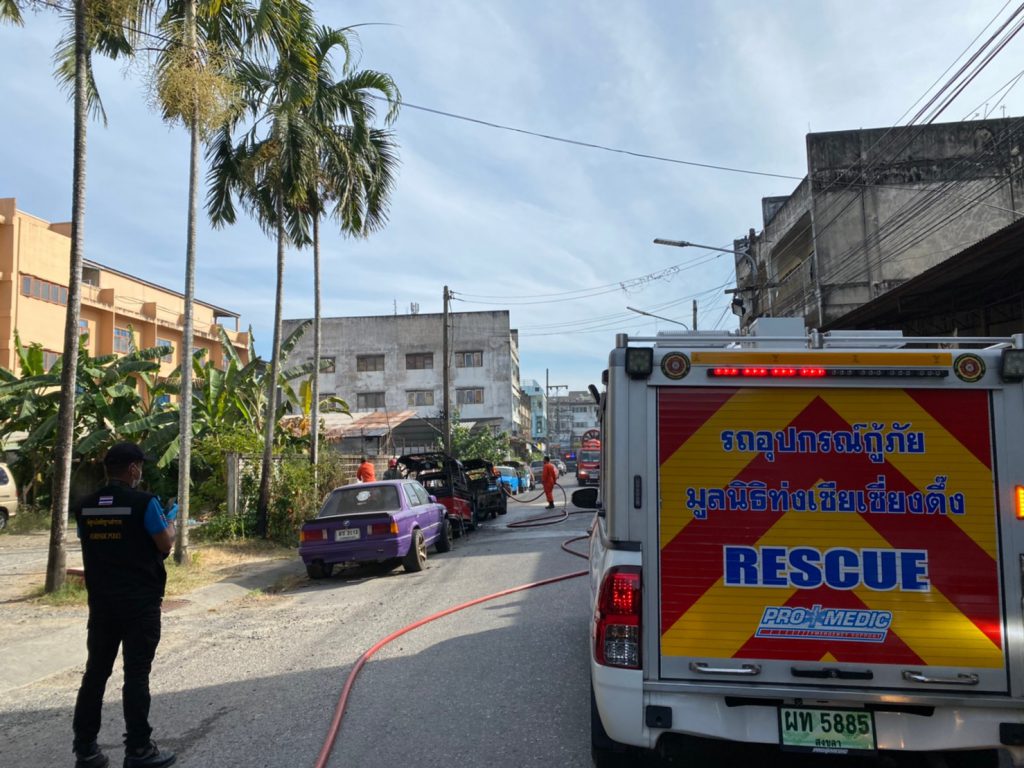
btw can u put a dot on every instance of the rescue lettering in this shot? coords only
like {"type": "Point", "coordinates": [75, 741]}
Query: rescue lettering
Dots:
{"type": "Point", "coordinates": [881, 570]}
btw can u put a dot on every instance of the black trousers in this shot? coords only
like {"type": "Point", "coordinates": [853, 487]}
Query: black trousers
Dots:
{"type": "Point", "coordinates": [135, 628]}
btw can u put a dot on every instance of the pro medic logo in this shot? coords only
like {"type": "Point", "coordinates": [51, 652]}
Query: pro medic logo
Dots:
{"type": "Point", "coordinates": [813, 524]}
{"type": "Point", "coordinates": [969, 368]}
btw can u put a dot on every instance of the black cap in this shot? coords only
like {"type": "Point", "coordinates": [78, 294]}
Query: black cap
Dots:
{"type": "Point", "coordinates": [123, 454]}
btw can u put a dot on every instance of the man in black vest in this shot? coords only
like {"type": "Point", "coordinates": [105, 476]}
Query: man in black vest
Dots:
{"type": "Point", "coordinates": [125, 536]}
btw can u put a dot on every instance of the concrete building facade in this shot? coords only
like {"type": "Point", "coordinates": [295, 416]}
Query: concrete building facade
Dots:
{"type": "Point", "coordinates": [572, 414]}
{"type": "Point", "coordinates": [877, 208]}
{"type": "Point", "coordinates": [538, 410]}
{"type": "Point", "coordinates": [394, 363]}
{"type": "Point", "coordinates": [35, 258]}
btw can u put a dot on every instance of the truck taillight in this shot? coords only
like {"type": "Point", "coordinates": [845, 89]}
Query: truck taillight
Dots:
{"type": "Point", "coordinates": [1018, 493]}
{"type": "Point", "coordinates": [617, 636]}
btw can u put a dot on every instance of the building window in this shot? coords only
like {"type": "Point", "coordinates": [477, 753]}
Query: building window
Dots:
{"type": "Point", "coordinates": [327, 364]}
{"type": "Point", "coordinates": [163, 400]}
{"type": "Point", "coordinates": [369, 363]}
{"type": "Point", "coordinates": [50, 359]}
{"type": "Point", "coordinates": [419, 397]}
{"type": "Point", "coordinates": [474, 359]}
{"type": "Point", "coordinates": [419, 361]}
{"type": "Point", "coordinates": [474, 396]}
{"type": "Point", "coordinates": [369, 401]}
{"type": "Point", "coordinates": [83, 327]}
{"type": "Point", "coordinates": [169, 357]}
{"type": "Point", "coordinates": [44, 290]}
{"type": "Point", "coordinates": [122, 340]}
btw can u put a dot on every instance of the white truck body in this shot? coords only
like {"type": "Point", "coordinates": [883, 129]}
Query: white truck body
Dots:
{"type": "Point", "coordinates": [810, 541]}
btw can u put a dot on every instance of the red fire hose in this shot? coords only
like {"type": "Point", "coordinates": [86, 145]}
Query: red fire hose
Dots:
{"type": "Point", "coordinates": [339, 710]}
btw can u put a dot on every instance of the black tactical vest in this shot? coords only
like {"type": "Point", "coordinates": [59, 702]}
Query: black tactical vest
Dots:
{"type": "Point", "coordinates": [122, 562]}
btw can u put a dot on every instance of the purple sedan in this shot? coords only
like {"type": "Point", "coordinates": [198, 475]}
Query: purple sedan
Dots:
{"type": "Point", "coordinates": [389, 522]}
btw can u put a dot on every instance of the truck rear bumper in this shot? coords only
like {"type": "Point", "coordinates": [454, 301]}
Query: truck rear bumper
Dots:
{"type": "Point", "coordinates": [947, 728]}
{"type": "Point", "coordinates": [623, 706]}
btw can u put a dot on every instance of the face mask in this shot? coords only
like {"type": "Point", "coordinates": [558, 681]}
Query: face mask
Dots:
{"type": "Point", "coordinates": [136, 479]}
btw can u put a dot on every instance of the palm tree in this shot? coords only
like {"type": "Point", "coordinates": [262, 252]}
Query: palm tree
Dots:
{"type": "Point", "coordinates": [355, 170]}
{"type": "Point", "coordinates": [109, 29]}
{"type": "Point", "coordinates": [269, 171]}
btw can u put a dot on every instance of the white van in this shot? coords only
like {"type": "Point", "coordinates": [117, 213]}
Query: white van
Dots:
{"type": "Point", "coordinates": [8, 496]}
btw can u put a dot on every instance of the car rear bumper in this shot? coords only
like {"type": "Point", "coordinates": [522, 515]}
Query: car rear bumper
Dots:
{"type": "Point", "coordinates": [355, 551]}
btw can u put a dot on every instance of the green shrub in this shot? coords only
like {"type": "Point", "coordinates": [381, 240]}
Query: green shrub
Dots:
{"type": "Point", "coordinates": [30, 519]}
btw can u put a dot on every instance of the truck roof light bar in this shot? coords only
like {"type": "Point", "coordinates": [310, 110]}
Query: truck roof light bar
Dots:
{"type": "Point", "coordinates": [804, 372]}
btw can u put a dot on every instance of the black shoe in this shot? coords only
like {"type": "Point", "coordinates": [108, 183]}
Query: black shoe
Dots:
{"type": "Point", "coordinates": [90, 756]}
{"type": "Point", "coordinates": [149, 756]}
{"type": "Point", "coordinates": [550, 506]}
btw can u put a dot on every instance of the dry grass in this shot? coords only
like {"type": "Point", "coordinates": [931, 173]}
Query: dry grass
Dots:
{"type": "Point", "coordinates": [210, 563]}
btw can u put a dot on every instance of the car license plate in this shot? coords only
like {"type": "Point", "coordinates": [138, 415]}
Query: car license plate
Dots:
{"type": "Point", "coordinates": [827, 731]}
{"type": "Point", "coordinates": [346, 534]}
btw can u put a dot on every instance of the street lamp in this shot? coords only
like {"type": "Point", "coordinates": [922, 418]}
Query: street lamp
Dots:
{"type": "Point", "coordinates": [687, 244]}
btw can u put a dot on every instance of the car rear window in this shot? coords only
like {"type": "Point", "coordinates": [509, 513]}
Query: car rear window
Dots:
{"type": "Point", "coordinates": [345, 501]}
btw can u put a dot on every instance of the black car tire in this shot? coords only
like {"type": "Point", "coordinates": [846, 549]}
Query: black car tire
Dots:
{"type": "Point", "coordinates": [604, 751]}
{"type": "Point", "coordinates": [416, 557]}
{"type": "Point", "coordinates": [318, 569]}
{"type": "Point", "coordinates": [444, 541]}
{"type": "Point", "coordinates": [3, 519]}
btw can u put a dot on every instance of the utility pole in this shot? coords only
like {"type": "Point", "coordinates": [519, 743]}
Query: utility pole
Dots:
{"type": "Point", "coordinates": [694, 326]}
{"type": "Point", "coordinates": [446, 399]}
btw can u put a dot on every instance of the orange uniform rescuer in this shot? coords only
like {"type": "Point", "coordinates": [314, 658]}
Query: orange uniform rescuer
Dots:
{"type": "Point", "coordinates": [548, 477]}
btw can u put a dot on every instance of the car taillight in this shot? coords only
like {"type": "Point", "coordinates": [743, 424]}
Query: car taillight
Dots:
{"type": "Point", "coordinates": [617, 636]}
{"type": "Point", "coordinates": [315, 535]}
{"type": "Point", "coordinates": [382, 529]}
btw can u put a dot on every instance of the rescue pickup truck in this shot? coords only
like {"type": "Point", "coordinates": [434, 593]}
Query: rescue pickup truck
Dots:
{"type": "Point", "coordinates": [809, 541]}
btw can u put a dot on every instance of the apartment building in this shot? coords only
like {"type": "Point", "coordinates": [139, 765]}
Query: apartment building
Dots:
{"type": "Point", "coordinates": [395, 362]}
{"type": "Point", "coordinates": [34, 266]}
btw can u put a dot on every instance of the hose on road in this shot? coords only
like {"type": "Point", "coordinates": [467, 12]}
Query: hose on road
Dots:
{"type": "Point", "coordinates": [339, 710]}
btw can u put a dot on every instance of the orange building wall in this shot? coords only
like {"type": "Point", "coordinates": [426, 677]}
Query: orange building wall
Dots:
{"type": "Point", "coordinates": [32, 247]}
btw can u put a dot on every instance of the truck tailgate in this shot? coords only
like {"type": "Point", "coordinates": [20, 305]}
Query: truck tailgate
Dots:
{"type": "Point", "coordinates": [817, 534]}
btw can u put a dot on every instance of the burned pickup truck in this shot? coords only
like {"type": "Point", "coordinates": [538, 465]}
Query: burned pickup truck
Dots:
{"type": "Point", "coordinates": [485, 489]}
{"type": "Point", "coordinates": [445, 479]}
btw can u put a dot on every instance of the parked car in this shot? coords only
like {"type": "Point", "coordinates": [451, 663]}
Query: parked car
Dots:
{"type": "Point", "coordinates": [560, 466]}
{"type": "Point", "coordinates": [509, 478]}
{"type": "Point", "coordinates": [538, 468]}
{"type": "Point", "coordinates": [485, 488]}
{"type": "Point", "coordinates": [8, 496]}
{"type": "Point", "coordinates": [523, 473]}
{"type": "Point", "coordinates": [390, 522]}
{"type": "Point", "coordinates": [444, 477]}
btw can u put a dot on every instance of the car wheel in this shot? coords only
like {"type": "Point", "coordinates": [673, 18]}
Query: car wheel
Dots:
{"type": "Point", "coordinates": [3, 519]}
{"type": "Point", "coordinates": [416, 558]}
{"type": "Point", "coordinates": [318, 569]}
{"type": "Point", "coordinates": [605, 752]}
{"type": "Point", "coordinates": [444, 541]}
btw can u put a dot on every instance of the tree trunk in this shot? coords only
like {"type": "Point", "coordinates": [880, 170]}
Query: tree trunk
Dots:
{"type": "Point", "coordinates": [263, 505]}
{"type": "Point", "coordinates": [314, 411]}
{"type": "Point", "coordinates": [56, 566]}
{"type": "Point", "coordinates": [181, 552]}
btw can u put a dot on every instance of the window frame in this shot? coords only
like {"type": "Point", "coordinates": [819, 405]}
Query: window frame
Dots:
{"type": "Point", "coordinates": [122, 333]}
{"type": "Point", "coordinates": [460, 396]}
{"type": "Point", "coordinates": [361, 406]}
{"type": "Point", "coordinates": [462, 356]}
{"type": "Point", "coordinates": [361, 363]}
{"type": "Point", "coordinates": [411, 398]}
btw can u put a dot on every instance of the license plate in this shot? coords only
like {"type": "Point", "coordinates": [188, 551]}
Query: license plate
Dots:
{"type": "Point", "coordinates": [346, 534]}
{"type": "Point", "coordinates": [827, 731]}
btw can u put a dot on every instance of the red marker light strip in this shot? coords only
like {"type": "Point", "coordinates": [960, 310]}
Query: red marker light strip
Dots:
{"type": "Point", "coordinates": [790, 372]}
{"type": "Point", "coordinates": [764, 373]}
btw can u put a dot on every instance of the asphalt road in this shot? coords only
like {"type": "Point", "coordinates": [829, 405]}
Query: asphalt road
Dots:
{"type": "Point", "coordinates": [255, 683]}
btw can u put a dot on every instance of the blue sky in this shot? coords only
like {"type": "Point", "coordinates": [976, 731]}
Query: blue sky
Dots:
{"type": "Point", "coordinates": [497, 214]}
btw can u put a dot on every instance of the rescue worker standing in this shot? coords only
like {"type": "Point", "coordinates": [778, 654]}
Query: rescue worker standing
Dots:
{"type": "Point", "coordinates": [391, 473]}
{"type": "Point", "coordinates": [366, 472]}
{"type": "Point", "coordinates": [548, 477]}
{"type": "Point", "coordinates": [125, 538]}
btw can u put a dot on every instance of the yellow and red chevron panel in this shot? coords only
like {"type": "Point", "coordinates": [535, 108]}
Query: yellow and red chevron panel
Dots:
{"type": "Point", "coordinates": [849, 525]}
